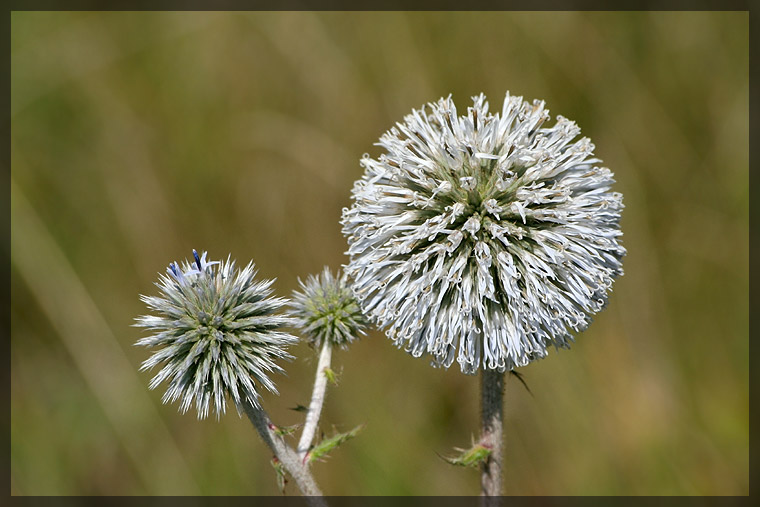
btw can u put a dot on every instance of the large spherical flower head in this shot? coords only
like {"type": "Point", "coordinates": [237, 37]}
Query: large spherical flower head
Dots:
{"type": "Point", "coordinates": [486, 237]}
{"type": "Point", "coordinates": [326, 309]}
{"type": "Point", "coordinates": [217, 331]}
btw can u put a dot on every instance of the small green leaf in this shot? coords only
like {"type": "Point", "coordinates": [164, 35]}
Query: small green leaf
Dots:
{"type": "Point", "coordinates": [320, 450]}
{"type": "Point", "coordinates": [285, 430]}
{"type": "Point", "coordinates": [471, 457]}
{"type": "Point", "coordinates": [280, 471]}
{"type": "Point", "coordinates": [330, 376]}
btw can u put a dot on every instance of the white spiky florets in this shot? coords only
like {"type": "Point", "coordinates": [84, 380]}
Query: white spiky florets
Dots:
{"type": "Point", "coordinates": [217, 330]}
{"type": "Point", "coordinates": [326, 309]}
{"type": "Point", "coordinates": [485, 237]}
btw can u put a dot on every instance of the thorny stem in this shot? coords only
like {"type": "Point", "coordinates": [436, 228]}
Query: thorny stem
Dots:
{"type": "Point", "coordinates": [295, 466]}
{"type": "Point", "coordinates": [317, 399]}
{"type": "Point", "coordinates": [492, 415]}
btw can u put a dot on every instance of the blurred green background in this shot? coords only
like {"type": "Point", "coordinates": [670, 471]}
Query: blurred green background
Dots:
{"type": "Point", "coordinates": [139, 136]}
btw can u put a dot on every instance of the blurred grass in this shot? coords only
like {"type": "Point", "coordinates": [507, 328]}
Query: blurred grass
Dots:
{"type": "Point", "coordinates": [138, 136]}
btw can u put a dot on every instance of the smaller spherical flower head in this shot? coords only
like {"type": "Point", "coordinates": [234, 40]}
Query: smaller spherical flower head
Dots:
{"type": "Point", "coordinates": [218, 335]}
{"type": "Point", "coordinates": [486, 237]}
{"type": "Point", "coordinates": [326, 309]}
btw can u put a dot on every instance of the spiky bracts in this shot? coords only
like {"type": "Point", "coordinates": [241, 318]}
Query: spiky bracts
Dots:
{"type": "Point", "coordinates": [326, 309]}
{"type": "Point", "coordinates": [217, 330]}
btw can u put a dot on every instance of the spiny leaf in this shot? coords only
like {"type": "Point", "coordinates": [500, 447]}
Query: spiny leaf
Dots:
{"type": "Point", "coordinates": [320, 450]}
{"type": "Point", "coordinates": [330, 376]}
{"type": "Point", "coordinates": [522, 380]}
{"type": "Point", "coordinates": [280, 471]}
{"type": "Point", "coordinates": [286, 430]}
{"type": "Point", "coordinates": [471, 457]}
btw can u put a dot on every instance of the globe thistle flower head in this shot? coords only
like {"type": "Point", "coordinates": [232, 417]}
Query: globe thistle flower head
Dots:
{"type": "Point", "coordinates": [326, 309]}
{"type": "Point", "coordinates": [487, 237]}
{"type": "Point", "coordinates": [217, 334]}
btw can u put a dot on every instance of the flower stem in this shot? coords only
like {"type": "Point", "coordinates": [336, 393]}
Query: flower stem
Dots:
{"type": "Point", "coordinates": [317, 399]}
{"type": "Point", "coordinates": [492, 415]}
{"type": "Point", "coordinates": [287, 456]}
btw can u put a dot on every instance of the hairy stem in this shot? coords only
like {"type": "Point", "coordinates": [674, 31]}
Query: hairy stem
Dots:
{"type": "Point", "coordinates": [317, 400]}
{"type": "Point", "coordinates": [295, 466]}
{"type": "Point", "coordinates": [492, 415]}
